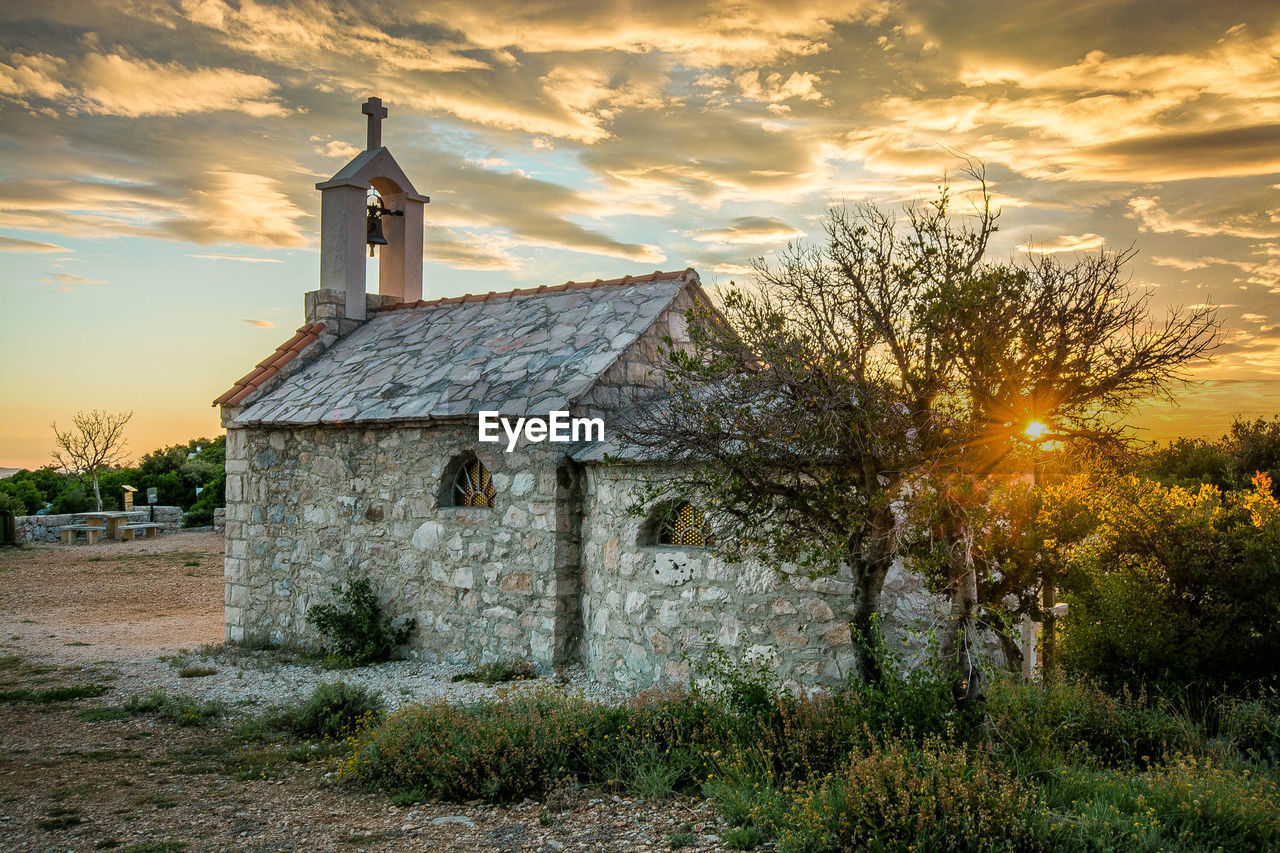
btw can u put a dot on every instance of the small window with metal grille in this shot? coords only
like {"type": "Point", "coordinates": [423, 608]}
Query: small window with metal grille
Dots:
{"type": "Point", "coordinates": [683, 525]}
{"type": "Point", "coordinates": [473, 486]}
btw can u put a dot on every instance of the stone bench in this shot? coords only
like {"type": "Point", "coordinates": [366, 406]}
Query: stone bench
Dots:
{"type": "Point", "coordinates": [71, 533]}
{"type": "Point", "coordinates": [128, 532]}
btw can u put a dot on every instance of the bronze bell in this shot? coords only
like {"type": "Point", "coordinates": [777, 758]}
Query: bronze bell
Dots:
{"type": "Point", "coordinates": [373, 232]}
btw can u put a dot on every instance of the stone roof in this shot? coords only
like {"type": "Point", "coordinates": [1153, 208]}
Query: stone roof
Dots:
{"type": "Point", "coordinates": [520, 352]}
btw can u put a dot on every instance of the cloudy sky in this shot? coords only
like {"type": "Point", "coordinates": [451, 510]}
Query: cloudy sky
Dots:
{"type": "Point", "coordinates": [159, 222]}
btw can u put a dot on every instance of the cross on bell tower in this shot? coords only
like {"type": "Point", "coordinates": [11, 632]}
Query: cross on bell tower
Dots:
{"type": "Point", "coordinates": [376, 112]}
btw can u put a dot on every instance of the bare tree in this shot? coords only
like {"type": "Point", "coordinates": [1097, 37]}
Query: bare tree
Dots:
{"type": "Point", "coordinates": [804, 406]}
{"type": "Point", "coordinates": [95, 441]}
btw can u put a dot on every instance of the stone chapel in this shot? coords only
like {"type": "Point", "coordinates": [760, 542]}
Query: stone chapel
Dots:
{"type": "Point", "coordinates": [353, 449]}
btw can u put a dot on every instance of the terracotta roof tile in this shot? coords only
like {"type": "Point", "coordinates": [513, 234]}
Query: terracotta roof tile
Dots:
{"type": "Point", "coordinates": [270, 366]}
{"type": "Point", "coordinates": [656, 275]}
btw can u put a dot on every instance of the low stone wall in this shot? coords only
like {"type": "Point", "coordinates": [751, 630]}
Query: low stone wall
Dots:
{"type": "Point", "coordinates": [219, 519]}
{"type": "Point", "coordinates": [45, 528]}
{"type": "Point", "coordinates": [41, 528]}
{"type": "Point", "coordinates": [169, 517]}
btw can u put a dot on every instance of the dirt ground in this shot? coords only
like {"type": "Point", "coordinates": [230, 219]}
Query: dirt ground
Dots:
{"type": "Point", "coordinates": [85, 616]}
{"type": "Point", "coordinates": [116, 598]}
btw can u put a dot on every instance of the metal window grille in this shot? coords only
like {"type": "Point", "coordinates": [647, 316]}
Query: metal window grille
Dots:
{"type": "Point", "coordinates": [685, 526]}
{"type": "Point", "coordinates": [474, 486]}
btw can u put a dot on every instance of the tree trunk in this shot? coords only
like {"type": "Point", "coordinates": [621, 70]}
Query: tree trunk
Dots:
{"type": "Point", "coordinates": [97, 495]}
{"type": "Point", "coordinates": [868, 583]}
{"type": "Point", "coordinates": [870, 567]}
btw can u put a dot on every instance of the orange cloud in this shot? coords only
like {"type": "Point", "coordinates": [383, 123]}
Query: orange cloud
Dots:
{"type": "Point", "coordinates": [1065, 243]}
{"type": "Point", "coordinates": [749, 230]}
{"type": "Point", "coordinates": [15, 244]}
{"type": "Point", "coordinates": [119, 84]}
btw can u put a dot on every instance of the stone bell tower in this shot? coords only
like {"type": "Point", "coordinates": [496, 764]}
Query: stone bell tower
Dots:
{"type": "Point", "coordinates": [344, 224]}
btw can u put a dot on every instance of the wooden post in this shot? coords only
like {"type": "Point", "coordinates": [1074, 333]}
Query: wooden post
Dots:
{"type": "Point", "coordinates": [1049, 642]}
{"type": "Point", "coordinates": [1028, 629]}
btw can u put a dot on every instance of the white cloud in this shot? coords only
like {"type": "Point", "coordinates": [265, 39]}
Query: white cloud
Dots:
{"type": "Point", "coordinates": [1184, 264]}
{"type": "Point", "coordinates": [1152, 216]}
{"type": "Point", "coordinates": [249, 259]}
{"type": "Point", "coordinates": [774, 88]}
{"type": "Point", "coordinates": [732, 269]}
{"type": "Point", "coordinates": [69, 282]}
{"type": "Point", "coordinates": [336, 148]}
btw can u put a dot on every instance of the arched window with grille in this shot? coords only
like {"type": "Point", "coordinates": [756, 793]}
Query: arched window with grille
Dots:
{"type": "Point", "coordinates": [682, 525]}
{"type": "Point", "coordinates": [472, 485]}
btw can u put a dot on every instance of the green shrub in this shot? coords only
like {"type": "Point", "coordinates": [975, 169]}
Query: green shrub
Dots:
{"type": "Point", "coordinates": [498, 672]}
{"type": "Point", "coordinates": [51, 695]}
{"type": "Point", "coordinates": [334, 710]}
{"type": "Point", "coordinates": [741, 838]}
{"type": "Point", "coordinates": [681, 839]}
{"type": "Point", "coordinates": [1070, 767]}
{"type": "Point", "coordinates": [1177, 589]}
{"type": "Point", "coordinates": [12, 504]}
{"type": "Point", "coordinates": [20, 496]}
{"type": "Point", "coordinates": [179, 710]}
{"type": "Point", "coordinates": [74, 499]}
{"type": "Point", "coordinates": [657, 773]}
{"type": "Point", "coordinates": [1252, 726]}
{"type": "Point", "coordinates": [746, 790]}
{"type": "Point", "coordinates": [213, 494]}
{"type": "Point", "coordinates": [748, 688]}
{"type": "Point", "coordinates": [355, 631]}
{"type": "Point", "coordinates": [522, 744]}
{"type": "Point", "coordinates": [497, 751]}
{"type": "Point", "coordinates": [655, 745]}
{"type": "Point", "coordinates": [1184, 804]}
{"type": "Point", "coordinates": [1076, 721]}
{"type": "Point", "coordinates": [899, 797]}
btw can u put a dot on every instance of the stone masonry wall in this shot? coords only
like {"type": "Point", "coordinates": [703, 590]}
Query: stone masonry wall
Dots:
{"type": "Point", "coordinates": [306, 507]}
{"type": "Point", "coordinates": [649, 609]}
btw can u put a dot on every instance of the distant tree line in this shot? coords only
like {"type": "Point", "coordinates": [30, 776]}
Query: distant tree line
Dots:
{"type": "Point", "coordinates": [1230, 462]}
{"type": "Point", "coordinates": [176, 472]}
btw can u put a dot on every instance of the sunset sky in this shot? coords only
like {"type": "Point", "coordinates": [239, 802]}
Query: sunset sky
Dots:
{"type": "Point", "coordinates": [159, 222]}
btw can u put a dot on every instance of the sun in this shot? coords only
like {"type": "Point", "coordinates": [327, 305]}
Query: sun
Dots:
{"type": "Point", "coordinates": [1036, 429]}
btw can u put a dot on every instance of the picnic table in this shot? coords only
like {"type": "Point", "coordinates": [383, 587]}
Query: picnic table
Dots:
{"type": "Point", "coordinates": [110, 519]}
{"type": "Point", "coordinates": [112, 524]}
